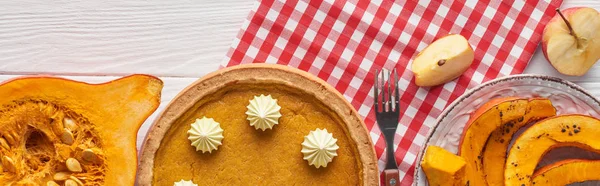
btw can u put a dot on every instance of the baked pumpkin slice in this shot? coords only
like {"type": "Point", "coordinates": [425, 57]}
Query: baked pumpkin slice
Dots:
{"type": "Point", "coordinates": [567, 171]}
{"type": "Point", "coordinates": [529, 148]}
{"type": "Point", "coordinates": [494, 153]}
{"type": "Point", "coordinates": [59, 131]}
{"type": "Point", "coordinates": [490, 117]}
{"type": "Point", "coordinates": [443, 168]}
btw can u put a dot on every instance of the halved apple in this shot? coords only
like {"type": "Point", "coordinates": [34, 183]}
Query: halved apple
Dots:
{"type": "Point", "coordinates": [443, 60]}
{"type": "Point", "coordinates": [571, 40]}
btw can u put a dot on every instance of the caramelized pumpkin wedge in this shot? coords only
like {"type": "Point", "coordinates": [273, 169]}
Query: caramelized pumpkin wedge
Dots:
{"type": "Point", "coordinates": [488, 118]}
{"type": "Point", "coordinates": [59, 130]}
{"type": "Point", "coordinates": [443, 168]}
{"type": "Point", "coordinates": [494, 154]}
{"type": "Point", "coordinates": [528, 149]}
{"type": "Point", "coordinates": [567, 171]}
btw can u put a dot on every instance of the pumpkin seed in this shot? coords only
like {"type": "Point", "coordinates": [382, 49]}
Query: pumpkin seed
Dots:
{"type": "Point", "coordinates": [73, 165]}
{"type": "Point", "coordinates": [69, 123]}
{"type": "Point", "coordinates": [14, 133]}
{"type": "Point", "coordinates": [41, 106]}
{"type": "Point", "coordinates": [49, 112]}
{"type": "Point", "coordinates": [76, 180]}
{"type": "Point", "coordinates": [57, 126]}
{"type": "Point", "coordinates": [67, 137]}
{"type": "Point", "coordinates": [70, 183]}
{"type": "Point", "coordinates": [3, 143]}
{"type": "Point", "coordinates": [57, 115]}
{"type": "Point", "coordinates": [61, 176]}
{"type": "Point", "coordinates": [8, 164]}
{"type": "Point", "coordinates": [52, 183]}
{"type": "Point", "coordinates": [88, 155]}
{"type": "Point", "coordinates": [10, 139]}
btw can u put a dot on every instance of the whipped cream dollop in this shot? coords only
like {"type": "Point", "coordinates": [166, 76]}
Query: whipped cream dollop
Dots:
{"type": "Point", "coordinates": [263, 112]}
{"type": "Point", "coordinates": [319, 148]}
{"type": "Point", "coordinates": [185, 183]}
{"type": "Point", "coordinates": [206, 134]}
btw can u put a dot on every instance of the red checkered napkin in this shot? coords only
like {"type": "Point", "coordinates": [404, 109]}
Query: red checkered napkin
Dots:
{"type": "Point", "coordinates": [344, 42]}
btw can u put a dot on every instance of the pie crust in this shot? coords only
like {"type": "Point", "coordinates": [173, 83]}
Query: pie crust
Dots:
{"type": "Point", "coordinates": [260, 74]}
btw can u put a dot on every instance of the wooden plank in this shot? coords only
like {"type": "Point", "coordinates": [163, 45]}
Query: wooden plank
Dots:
{"type": "Point", "coordinates": [172, 87]}
{"type": "Point", "coordinates": [165, 38]}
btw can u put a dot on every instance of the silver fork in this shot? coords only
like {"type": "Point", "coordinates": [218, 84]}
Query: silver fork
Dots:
{"type": "Point", "coordinates": [387, 119]}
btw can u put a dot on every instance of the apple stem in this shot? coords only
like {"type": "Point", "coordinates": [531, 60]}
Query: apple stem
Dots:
{"type": "Point", "coordinates": [570, 28]}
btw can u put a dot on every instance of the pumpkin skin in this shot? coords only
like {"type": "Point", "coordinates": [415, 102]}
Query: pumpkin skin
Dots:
{"type": "Point", "coordinates": [443, 168]}
{"type": "Point", "coordinates": [488, 118]}
{"type": "Point", "coordinates": [561, 173]}
{"type": "Point", "coordinates": [567, 130]}
{"type": "Point", "coordinates": [494, 155]}
{"type": "Point", "coordinates": [37, 111]}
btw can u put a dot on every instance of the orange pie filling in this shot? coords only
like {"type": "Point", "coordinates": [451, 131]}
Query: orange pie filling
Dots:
{"type": "Point", "coordinates": [249, 156]}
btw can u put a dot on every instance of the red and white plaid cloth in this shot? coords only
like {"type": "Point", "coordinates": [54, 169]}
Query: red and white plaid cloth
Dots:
{"type": "Point", "coordinates": [344, 42]}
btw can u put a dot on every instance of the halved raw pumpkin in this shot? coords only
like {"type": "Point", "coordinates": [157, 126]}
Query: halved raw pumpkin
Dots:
{"type": "Point", "coordinates": [54, 130]}
{"type": "Point", "coordinates": [568, 130]}
{"type": "Point", "coordinates": [488, 118]}
{"type": "Point", "coordinates": [443, 168]}
{"type": "Point", "coordinates": [567, 171]}
{"type": "Point", "coordinates": [494, 153]}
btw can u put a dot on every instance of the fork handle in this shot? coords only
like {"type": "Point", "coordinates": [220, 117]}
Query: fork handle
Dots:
{"type": "Point", "coordinates": [391, 177]}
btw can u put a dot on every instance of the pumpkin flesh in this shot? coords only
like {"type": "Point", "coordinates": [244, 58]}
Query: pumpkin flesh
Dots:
{"type": "Point", "coordinates": [567, 171]}
{"type": "Point", "coordinates": [443, 168]}
{"type": "Point", "coordinates": [479, 127]}
{"type": "Point", "coordinates": [45, 120]}
{"type": "Point", "coordinates": [495, 115]}
{"type": "Point", "coordinates": [494, 155]}
{"type": "Point", "coordinates": [529, 148]}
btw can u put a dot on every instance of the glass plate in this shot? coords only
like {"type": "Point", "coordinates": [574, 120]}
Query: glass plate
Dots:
{"type": "Point", "coordinates": [567, 98]}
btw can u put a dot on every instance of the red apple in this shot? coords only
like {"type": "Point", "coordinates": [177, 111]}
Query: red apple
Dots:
{"type": "Point", "coordinates": [571, 40]}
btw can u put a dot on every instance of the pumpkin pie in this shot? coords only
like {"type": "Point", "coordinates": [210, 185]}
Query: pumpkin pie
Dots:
{"type": "Point", "coordinates": [248, 156]}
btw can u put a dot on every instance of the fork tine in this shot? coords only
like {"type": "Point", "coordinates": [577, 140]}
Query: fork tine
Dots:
{"type": "Point", "coordinates": [389, 92]}
{"type": "Point", "coordinates": [382, 89]}
{"type": "Point", "coordinates": [391, 89]}
{"type": "Point", "coordinates": [397, 94]}
{"type": "Point", "coordinates": [376, 91]}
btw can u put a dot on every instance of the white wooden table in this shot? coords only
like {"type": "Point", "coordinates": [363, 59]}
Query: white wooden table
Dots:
{"type": "Point", "coordinates": [178, 41]}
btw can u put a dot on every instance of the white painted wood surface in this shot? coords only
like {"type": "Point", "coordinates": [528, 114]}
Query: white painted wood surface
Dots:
{"type": "Point", "coordinates": [177, 40]}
